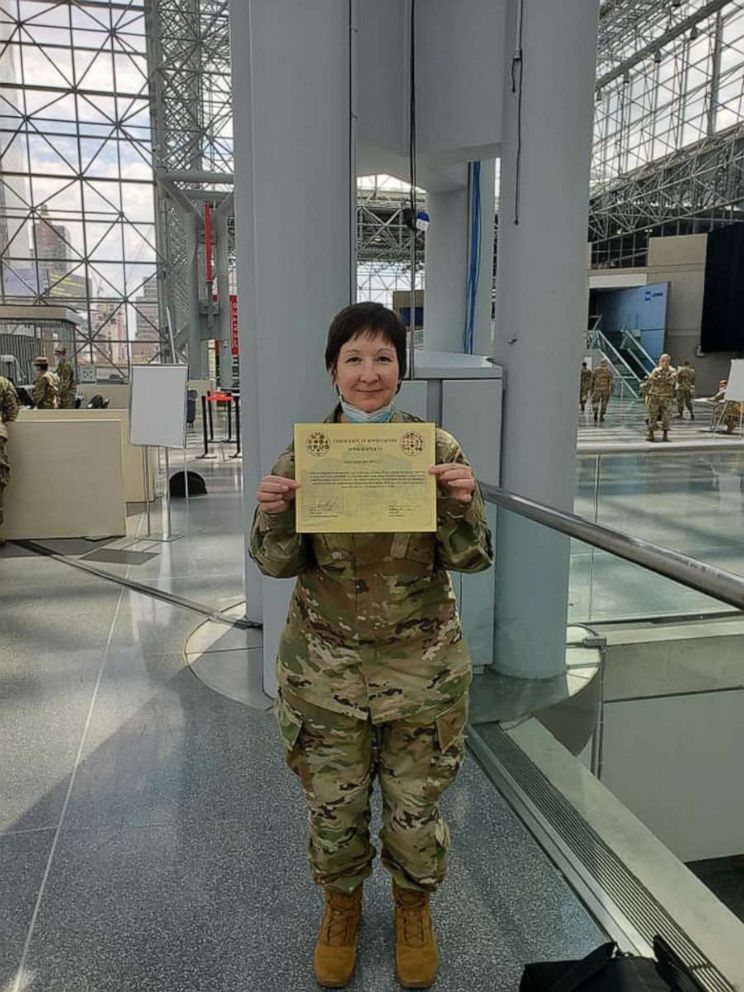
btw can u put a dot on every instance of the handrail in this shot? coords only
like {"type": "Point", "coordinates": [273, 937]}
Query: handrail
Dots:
{"type": "Point", "coordinates": [633, 345]}
{"type": "Point", "coordinates": [715, 582]}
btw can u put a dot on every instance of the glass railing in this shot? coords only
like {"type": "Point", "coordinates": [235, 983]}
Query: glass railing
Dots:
{"type": "Point", "coordinates": [691, 502]}
{"type": "Point", "coordinates": [626, 763]}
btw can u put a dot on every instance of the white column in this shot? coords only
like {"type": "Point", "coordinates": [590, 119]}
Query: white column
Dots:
{"type": "Point", "coordinates": [540, 317]}
{"type": "Point", "coordinates": [446, 270]}
{"type": "Point", "coordinates": [291, 118]}
{"type": "Point", "coordinates": [448, 251]}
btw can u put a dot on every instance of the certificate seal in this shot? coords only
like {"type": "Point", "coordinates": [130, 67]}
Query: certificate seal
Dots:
{"type": "Point", "coordinates": [412, 443]}
{"type": "Point", "coordinates": [317, 444]}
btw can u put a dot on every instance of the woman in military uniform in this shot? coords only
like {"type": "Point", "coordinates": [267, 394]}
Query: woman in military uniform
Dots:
{"type": "Point", "coordinates": [373, 670]}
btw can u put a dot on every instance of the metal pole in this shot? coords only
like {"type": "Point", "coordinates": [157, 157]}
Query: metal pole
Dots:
{"type": "Point", "coordinates": [237, 428]}
{"type": "Point", "coordinates": [148, 510]}
{"type": "Point", "coordinates": [211, 419]}
{"type": "Point", "coordinates": [169, 534]}
{"type": "Point", "coordinates": [590, 597]}
{"type": "Point", "coordinates": [229, 420]}
{"type": "Point", "coordinates": [185, 476]}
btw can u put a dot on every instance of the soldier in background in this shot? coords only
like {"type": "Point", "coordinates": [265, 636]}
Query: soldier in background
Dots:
{"type": "Point", "coordinates": [9, 407]}
{"type": "Point", "coordinates": [585, 385]}
{"type": "Point", "coordinates": [602, 382]}
{"type": "Point", "coordinates": [726, 413]}
{"type": "Point", "coordinates": [45, 391]}
{"type": "Point", "coordinates": [66, 375]}
{"type": "Point", "coordinates": [659, 393]}
{"type": "Point", "coordinates": [685, 389]}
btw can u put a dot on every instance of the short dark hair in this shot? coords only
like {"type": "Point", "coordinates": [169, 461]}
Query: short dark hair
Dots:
{"type": "Point", "coordinates": [366, 318]}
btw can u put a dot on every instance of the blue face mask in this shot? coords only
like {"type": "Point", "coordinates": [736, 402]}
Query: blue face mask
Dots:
{"type": "Point", "coordinates": [357, 416]}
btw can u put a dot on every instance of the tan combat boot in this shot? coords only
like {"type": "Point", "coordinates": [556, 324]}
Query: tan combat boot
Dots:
{"type": "Point", "coordinates": [335, 948]}
{"type": "Point", "coordinates": [416, 954]}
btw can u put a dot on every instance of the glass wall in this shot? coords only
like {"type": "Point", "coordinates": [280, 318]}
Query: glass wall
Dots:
{"type": "Point", "coordinates": [76, 188]}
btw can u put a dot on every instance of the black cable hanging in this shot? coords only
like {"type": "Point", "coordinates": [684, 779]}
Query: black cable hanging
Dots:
{"type": "Point", "coordinates": [517, 70]}
{"type": "Point", "coordinates": [412, 177]}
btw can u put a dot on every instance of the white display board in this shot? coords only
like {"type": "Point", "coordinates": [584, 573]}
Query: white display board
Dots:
{"type": "Point", "coordinates": [735, 387]}
{"type": "Point", "coordinates": [157, 406]}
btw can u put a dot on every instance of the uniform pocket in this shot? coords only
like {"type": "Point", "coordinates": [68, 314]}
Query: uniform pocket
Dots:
{"type": "Point", "coordinates": [449, 748]}
{"type": "Point", "coordinates": [451, 723]}
{"type": "Point", "coordinates": [289, 722]}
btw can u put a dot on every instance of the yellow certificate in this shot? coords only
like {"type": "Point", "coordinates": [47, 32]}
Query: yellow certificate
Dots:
{"type": "Point", "coordinates": [362, 478]}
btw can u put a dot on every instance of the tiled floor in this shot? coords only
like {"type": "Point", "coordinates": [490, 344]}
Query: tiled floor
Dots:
{"type": "Point", "coordinates": [151, 837]}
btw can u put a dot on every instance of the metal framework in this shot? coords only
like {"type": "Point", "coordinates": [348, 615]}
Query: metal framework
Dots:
{"type": "Point", "coordinates": [669, 123]}
{"type": "Point", "coordinates": [116, 131]}
{"type": "Point", "coordinates": [76, 188]}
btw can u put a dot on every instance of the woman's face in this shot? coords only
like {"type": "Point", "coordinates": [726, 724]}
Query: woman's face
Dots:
{"type": "Point", "coordinates": [367, 372]}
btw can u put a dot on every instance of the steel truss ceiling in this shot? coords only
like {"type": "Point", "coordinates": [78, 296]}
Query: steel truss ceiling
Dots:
{"type": "Point", "coordinates": [668, 154]}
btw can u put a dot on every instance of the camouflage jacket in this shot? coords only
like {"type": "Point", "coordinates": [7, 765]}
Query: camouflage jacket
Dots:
{"type": "Point", "coordinates": [373, 628]}
{"type": "Point", "coordinates": [9, 405]}
{"type": "Point", "coordinates": [602, 380]}
{"type": "Point", "coordinates": [685, 377]}
{"type": "Point", "coordinates": [586, 379]}
{"type": "Point", "coordinates": [45, 391]}
{"type": "Point", "coordinates": [660, 383]}
{"type": "Point", "coordinates": [66, 376]}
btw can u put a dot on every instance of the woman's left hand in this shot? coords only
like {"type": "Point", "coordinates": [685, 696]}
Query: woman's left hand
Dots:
{"type": "Point", "coordinates": [456, 480]}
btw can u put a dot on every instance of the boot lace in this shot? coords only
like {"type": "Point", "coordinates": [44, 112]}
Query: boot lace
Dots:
{"type": "Point", "coordinates": [413, 907]}
{"type": "Point", "coordinates": [339, 912]}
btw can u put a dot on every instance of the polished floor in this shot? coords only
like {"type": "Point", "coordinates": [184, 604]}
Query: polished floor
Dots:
{"type": "Point", "coordinates": [151, 837]}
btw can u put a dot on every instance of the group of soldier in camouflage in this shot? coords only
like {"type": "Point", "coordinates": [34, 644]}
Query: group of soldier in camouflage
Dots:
{"type": "Point", "coordinates": [373, 676]}
{"type": "Point", "coordinates": [54, 390]}
{"type": "Point", "coordinates": [657, 390]}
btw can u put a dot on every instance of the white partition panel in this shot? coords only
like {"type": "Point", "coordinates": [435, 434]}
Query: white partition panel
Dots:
{"type": "Point", "coordinates": [158, 405]}
{"type": "Point", "coordinates": [66, 479]}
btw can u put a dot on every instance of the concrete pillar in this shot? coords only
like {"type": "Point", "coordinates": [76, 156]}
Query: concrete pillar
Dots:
{"type": "Point", "coordinates": [448, 248]}
{"type": "Point", "coordinates": [540, 302]}
{"type": "Point", "coordinates": [291, 112]}
{"type": "Point", "coordinates": [446, 270]}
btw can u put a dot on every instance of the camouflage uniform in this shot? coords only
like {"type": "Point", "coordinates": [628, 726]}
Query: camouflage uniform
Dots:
{"type": "Point", "coordinates": [9, 407]}
{"type": "Point", "coordinates": [685, 389]}
{"type": "Point", "coordinates": [67, 384]}
{"type": "Point", "coordinates": [727, 412]}
{"type": "Point", "coordinates": [585, 386]}
{"type": "Point", "coordinates": [659, 393]}
{"type": "Point", "coordinates": [44, 395]}
{"type": "Point", "coordinates": [373, 674]}
{"type": "Point", "coordinates": [602, 382]}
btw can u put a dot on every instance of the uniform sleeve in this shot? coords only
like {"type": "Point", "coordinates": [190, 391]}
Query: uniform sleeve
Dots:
{"type": "Point", "coordinates": [11, 406]}
{"type": "Point", "coordinates": [463, 536]}
{"type": "Point", "coordinates": [275, 546]}
{"type": "Point", "coordinates": [39, 392]}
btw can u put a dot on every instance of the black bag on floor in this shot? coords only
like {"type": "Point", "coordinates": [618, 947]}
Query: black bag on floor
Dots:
{"type": "Point", "coordinates": [607, 970]}
{"type": "Point", "coordinates": [197, 485]}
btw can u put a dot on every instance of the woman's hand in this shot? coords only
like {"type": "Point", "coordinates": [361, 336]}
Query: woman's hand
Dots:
{"type": "Point", "coordinates": [275, 494]}
{"type": "Point", "coordinates": [456, 480]}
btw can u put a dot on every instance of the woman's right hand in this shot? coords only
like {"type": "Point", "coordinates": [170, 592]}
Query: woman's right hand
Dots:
{"type": "Point", "coordinates": [275, 493]}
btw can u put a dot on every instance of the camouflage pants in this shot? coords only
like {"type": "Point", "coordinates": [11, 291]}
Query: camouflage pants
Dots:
{"type": "Point", "coordinates": [583, 396]}
{"type": "Point", "coordinates": [599, 403]}
{"type": "Point", "coordinates": [67, 401]}
{"type": "Point", "coordinates": [4, 473]}
{"type": "Point", "coordinates": [684, 399]}
{"type": "Point", "coordinates": [337, 759]}
{"type": "Point", "coordinates": [659, 409]}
